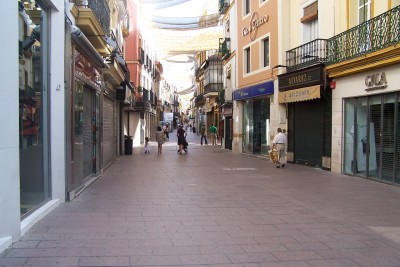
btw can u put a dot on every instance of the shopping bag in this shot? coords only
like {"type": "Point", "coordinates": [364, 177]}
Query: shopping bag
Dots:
{"type": "Point", "coordinates": [273, 155]}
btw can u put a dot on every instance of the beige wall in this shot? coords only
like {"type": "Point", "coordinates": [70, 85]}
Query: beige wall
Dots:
{"type": "Point", "coordinates": [270, 28]}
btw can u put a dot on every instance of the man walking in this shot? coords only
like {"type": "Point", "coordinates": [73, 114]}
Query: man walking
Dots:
{"type": "Point", "coordinates": [213, 132]}
{"type": "Point", "coordinates": [279, 143]}
{"type": "Point", "coordinates": [203, 133]}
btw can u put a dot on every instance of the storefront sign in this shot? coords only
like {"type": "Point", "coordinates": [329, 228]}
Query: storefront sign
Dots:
{"type": "Point", "coordinates": [85, 68]}
{"type": "Point", "coordinates": [376, 81]}
{"type": "Point", "coordinates": [301, 79]}
{"type": "Point", "coordinates": [254, 91]}
{"type": "Point", "coordinates": [302, 94]}
{"type": "Point", "coordinates": [255, 22]}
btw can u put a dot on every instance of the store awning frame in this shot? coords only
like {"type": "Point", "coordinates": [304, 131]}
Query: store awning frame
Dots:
{"type": "Point", "coordinates": [301, 94]}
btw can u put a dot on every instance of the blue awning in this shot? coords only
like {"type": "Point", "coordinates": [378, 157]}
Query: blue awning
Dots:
{"type": "Point", "coordinates": [254, 91]}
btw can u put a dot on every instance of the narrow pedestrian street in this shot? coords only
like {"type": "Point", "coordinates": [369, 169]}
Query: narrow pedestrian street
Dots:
{"type": "Point", "coordinates": [211, 207]}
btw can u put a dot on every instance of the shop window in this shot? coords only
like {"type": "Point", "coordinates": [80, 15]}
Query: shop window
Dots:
{"type": "Point", "coordinates": [247, 57]}
{"type": "Point", "coordinates": [33, 99]}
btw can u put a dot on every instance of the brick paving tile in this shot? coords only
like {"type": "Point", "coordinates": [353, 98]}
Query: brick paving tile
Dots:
{"type": "Point", "coordinates": [211, 207]}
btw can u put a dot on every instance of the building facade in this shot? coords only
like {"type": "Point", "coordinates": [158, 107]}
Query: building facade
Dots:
{"type": "Point", "coordinates": [255, 108]}
{"type": "Point", "coordinates": [227, 49]}
{"type": "Point", "coordinates": [33, 175]}
{"type": "Point", "coordinates": [362, 62]}
{"type": "Point", "coordinates": [303, 83]}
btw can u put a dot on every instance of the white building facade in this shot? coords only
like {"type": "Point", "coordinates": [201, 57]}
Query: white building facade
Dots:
{"type": "Point", "coordinates": [33, 113]}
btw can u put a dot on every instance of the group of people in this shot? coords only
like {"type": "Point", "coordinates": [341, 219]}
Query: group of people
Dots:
{"type": "Point", "coordinates": [213, 132]}
{"type": "Point", "coordinates": [162, 134]}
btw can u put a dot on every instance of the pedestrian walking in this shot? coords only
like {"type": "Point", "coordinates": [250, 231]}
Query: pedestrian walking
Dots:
{"type": "Point", "coordinates": [213, 132]}
{"type": "Point", "coordinates": [181, 134]}
{"type": "Point", "coordinates": [166, 131]}
{"type": "Point", "coordinates": [203, 133]}
{"type": "Point", "coordinates": [146, 146]}
{"type": "Point", "coordinates": [279, 143]}
{"type": "Point", "coordinates": [160, 138]}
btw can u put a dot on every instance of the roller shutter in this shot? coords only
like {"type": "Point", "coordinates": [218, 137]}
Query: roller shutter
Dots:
{"type": "Point", "coordinates": [108, 132]}
{"type": "Point", "coordinates": [308, 132]}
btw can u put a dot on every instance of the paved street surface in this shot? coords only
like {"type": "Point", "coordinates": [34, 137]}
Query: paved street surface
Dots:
{"type": "Point", "coordinates": [211, 207]}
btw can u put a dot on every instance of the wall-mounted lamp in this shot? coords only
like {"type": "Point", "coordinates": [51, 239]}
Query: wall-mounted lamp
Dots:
{"type": "Point", "coordinates": [279, 66]}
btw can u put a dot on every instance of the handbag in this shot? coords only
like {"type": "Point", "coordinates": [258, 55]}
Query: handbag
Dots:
{"type": "Point", "coordinates": [273, 155]}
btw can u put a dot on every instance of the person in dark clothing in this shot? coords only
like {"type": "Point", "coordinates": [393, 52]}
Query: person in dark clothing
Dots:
{"type": "Point", "coordinates": [203, 133]}
{"type": "Point", "coordinates": [181, 134]}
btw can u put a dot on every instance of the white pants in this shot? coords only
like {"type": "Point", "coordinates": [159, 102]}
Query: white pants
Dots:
{"type": "Point", "coordinates": [281, 154]}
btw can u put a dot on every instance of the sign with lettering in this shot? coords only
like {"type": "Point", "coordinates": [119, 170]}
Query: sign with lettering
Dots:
{"type": "Point", "coordinates": [255, 22]}
{"type": "Point", "coordinates": [376, 81]}
{"type": "Point", "coordinates": [302, 94]}
{"type": "Point", "coordinates": [304, 78]}
{"type": "Point", "coordinates": [262, 89]}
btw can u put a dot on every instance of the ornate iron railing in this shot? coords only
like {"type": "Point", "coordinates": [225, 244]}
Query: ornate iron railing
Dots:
{"type": "Point", "coordinates": [308, 54]}
{"type": "Point", "coordinates": [224, 47]}
{"type": "Point", "coordinates": [375, 34]}
{"type": "Point", "coordinates": [199, 99]}
{"type": "Point", "coordinates": [221, 97]}
{"type": "Point", "coordinates": [212, 88]}
{"type": "Point", "coordinates": [223, 6]}
{"type": "Point", "coordinates": [100, 9]}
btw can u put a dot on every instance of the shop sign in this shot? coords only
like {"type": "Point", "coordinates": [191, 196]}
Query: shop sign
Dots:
{"type": "Point", "coordinates": [255, 22]}
{"type": "Point", "coordinates": [301, 79]}
{"type": "Point", "coordinates": [254, 91]}
{"type": "Point", "coordinates": [376, 81]}
{"type": "Point", "coordinates": [302, 94]}
{"type": "Point", "coordinates": [87, 69]}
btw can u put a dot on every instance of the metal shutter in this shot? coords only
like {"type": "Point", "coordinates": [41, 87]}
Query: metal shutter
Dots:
{"type": "Point", "coordinates": [309, 132]}
{"type": "Point", "coordinates": [87, 133]}
{"type": "Point", "coordinates": [108, 132]}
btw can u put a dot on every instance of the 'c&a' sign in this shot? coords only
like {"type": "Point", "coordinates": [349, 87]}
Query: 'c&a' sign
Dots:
{"type": "Point", "coordinates": [255, 22]}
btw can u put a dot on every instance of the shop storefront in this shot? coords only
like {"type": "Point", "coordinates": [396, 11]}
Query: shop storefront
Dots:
{"type": "Point", "coordinates": [33, 107]}
{"type": "Point", "coordinates": [256, 117]}
{"type": "Point", "coordinates": [84, 150]}
{"type": "Point", "coordinates": [227, 126]}
{"type": "Point", "coordinates": [371, 121]}
{"type": "Point", "coordinates": [308, 101]}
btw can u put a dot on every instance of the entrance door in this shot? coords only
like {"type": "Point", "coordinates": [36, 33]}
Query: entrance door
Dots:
{"type": "Point", "coordinates": [371, 137]}
{"type": "Point", "coordinates": [228, 132]}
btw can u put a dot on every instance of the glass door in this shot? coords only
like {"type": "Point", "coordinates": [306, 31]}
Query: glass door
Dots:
{"type": "Point", "coordinates": [349, 119]}
{"type": "Point", "coordinates": [374, 136]}
{"type": "Point", "coordinates": [361, 137]}
{"type": "Point", "coordinates": [388, 138]}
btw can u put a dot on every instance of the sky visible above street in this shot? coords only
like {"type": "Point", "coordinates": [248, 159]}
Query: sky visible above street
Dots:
{"type": "Point", "coordinates": [170, 25]}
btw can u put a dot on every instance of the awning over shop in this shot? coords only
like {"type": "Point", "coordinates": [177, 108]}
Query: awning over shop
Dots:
{"type": "Point", "coordinates": [301, 94]}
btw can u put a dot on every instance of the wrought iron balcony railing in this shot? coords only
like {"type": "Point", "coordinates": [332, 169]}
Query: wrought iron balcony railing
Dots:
{"type": "Point", "coordinates": [100, 9]}
{"type": "Point", "coordinates": [225, 47]}
{"type": "Point", "coordinates": [308, 54]}
{"type": "Point", "coordinates": [212, 88]}
{"type": "Point", "coordinates": [223, 6]}
{"type": "Point", "coordinates": [199, 99]}
{"type": "Point", "coordinates": [375, 34]}
{"type": "Point", "coordinates": [221, 97]}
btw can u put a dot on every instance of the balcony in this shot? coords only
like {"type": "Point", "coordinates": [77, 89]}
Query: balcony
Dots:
{"type": "Point", "coordinates": [370, 44]}
{"type": "Point", "coordinates": [199, 100]}
{"type": "Point", "coordinates": [306, 55]}
{"type": "Point", "coordinates": [93, 18]}
{"type": "Point", "coordinates": [141, 55]}
{"type": "Point", "coordinates": [212, 89]}
{"type": "Point", "coordinates": [223, 6]}
{"type": "Point", "coordinates": [225, 47]}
